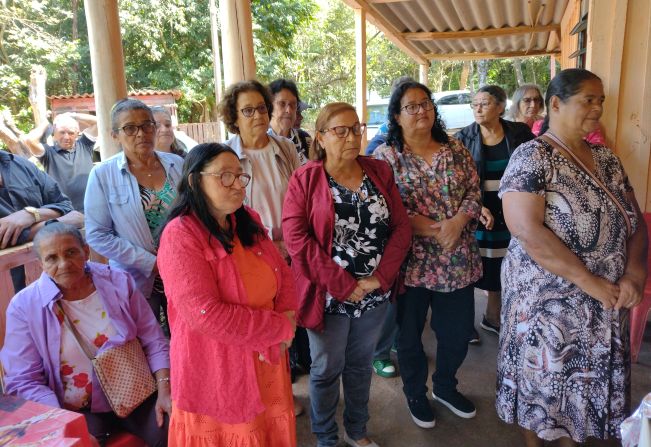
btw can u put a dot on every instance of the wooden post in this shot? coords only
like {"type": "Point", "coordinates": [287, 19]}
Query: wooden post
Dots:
{"type": "Point", "coordinates": [37, 94]}
{"type": "Point", "coordinates": [237, 40]}
{"type": "Point", "coordinates": [107, 62]}
{"type": "Point", "coordinates": [216, 64]}
{"type": "Point", "coordinates": [423, 74]}
{"type": "Point", "coordinates": [360, 69]}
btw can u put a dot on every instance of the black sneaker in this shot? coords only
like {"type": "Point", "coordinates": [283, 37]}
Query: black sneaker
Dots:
{"type": "Point", "coordinates": [457, 403]}
{"type": "Point", "coordinates": [474, 337]}
{"type": "Point", "coordinates": [421, 412]}
{"type": "Point", "coordinates": [487, 326]}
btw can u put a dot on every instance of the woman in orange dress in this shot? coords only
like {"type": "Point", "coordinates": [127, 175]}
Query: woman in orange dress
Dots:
{"type": "Point", "coordinates": [231, 310]}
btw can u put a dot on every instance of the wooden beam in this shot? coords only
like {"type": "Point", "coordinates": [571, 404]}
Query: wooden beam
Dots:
{"type": "Point", "coordinates": [360, 69]}
{"type": "Point", "coordinates": [388, 29]}
{"type": "Point", "coordinates": [107, 64]}
{"type": "Point", "coordinates": [423, 74]}
{"type": "Point", "coordinates": [478, 33]}
{"type": "Point", "coordinates": [474, 56]}
{"type": "Point", "coordinates": [237, 40]}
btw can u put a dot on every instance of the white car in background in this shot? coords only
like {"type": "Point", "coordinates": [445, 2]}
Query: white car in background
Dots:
{"type": "Point", "coordinates": [454, 107]}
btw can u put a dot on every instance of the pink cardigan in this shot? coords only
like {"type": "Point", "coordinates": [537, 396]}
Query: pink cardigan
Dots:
{"type": "Point", "coordinates": [214, 333]}
{"type": "Point", "coordinates": [308, 226]}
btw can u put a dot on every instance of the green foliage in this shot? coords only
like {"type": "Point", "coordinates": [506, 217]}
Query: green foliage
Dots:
{"type": "Point", "coordinates": [167, 45]}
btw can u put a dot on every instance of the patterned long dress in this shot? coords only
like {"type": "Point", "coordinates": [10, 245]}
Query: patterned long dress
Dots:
{"type": "Point", "coordinates": [563, 363]}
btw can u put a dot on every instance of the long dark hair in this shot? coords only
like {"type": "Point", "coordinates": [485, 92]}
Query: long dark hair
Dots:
{"type": "Point", "coordinates": [566, 84]}
{"type": "Point", "coordinates": [394, 137]}
{"type": "Point", "coordinates": [190, 199]}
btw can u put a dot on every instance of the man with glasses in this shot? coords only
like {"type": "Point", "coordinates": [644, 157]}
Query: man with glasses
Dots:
{"type": "Point", "coordinates": [69, 160]}
{"type": "Point", "coordinates": [285, 108]}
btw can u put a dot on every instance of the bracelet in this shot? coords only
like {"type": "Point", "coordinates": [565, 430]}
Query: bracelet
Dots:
{"type": "Point", "coordinates": [163, 379]}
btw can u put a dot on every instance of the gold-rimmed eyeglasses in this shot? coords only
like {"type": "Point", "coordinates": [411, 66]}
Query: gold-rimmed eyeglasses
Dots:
{"type": "Point", "coordinates": [228, 178]}
{"type": "Point", "coordinates": [343, 131]}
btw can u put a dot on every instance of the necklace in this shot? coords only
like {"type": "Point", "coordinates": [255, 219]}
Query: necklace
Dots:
{"type": "Point", "coordinates": [149, 174]}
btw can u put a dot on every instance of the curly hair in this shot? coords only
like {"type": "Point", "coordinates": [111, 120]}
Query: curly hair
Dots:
{"type": "Point", "coordinates": [227, 107]}
{"type": "Point", "coordinates": [394, 137]}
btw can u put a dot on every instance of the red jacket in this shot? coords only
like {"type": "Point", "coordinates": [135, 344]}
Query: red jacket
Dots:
{"type": "Point", "coordinates": [215, 333]}
{"type": "Point", "coordinates": [308, 226]}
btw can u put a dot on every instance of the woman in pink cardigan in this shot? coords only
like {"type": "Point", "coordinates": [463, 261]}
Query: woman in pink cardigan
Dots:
{"type": "Point", "coordinates": [347, 233]}
{"type": "Point", "coordinates": [231, 302]}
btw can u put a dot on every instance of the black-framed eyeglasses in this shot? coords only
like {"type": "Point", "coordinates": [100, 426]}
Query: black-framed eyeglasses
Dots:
{"type": "Point", "coordinates": [530, 100]}
{"type": "Point", "coordinates": [228, 178]}
{"type": "Point", "coordinates": [413, 109]}
{"type": "Point", "coordinates": [249, 111]}
{"type": "Point", "coordinates": [147, 127]}
{"type": "Point", "coordinates": [343, 131]}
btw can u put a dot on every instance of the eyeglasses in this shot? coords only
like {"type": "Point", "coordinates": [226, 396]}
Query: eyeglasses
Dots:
{"type": "Point", "coordinates": [413, 109]}
{"type": "Point", "coordinates": [131, 129]}
{"type": "Point", "coordinates": [530, 100]}
{"type": "Point", "coordinates": [483, 104]}
{"type": "Point", "coordinates": [249, 111]}
{"type": "Point", "coordinates": [343, 131]}
{"type": "Point", "coordinates": [282, 105]}
{"type": "Point", "coordinates": [228, 178]}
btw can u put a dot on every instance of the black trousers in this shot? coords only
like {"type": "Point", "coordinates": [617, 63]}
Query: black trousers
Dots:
{"type": "Point", "coordinates": [452, 320]}
{"type": "Point", "coordinates": [141, 422]}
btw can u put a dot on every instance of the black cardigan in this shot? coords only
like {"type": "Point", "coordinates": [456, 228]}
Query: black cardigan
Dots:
{"type": "Point", "coordinates": [470, 136]}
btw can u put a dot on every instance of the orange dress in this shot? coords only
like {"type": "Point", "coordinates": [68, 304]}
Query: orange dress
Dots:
{"type": "Point", "coordinates": [276, 426]}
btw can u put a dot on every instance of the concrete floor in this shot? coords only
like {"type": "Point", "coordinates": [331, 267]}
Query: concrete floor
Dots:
{"type": "Point", "coordinates": [391, 424]}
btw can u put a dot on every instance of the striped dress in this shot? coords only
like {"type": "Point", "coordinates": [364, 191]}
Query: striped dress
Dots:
{"type": "Point", "coordinates": [493, 243]}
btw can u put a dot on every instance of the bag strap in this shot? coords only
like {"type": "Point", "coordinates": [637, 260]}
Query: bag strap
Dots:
{"type": "Point", "coordinates": [555, 141]}
{"type": "Point", "coordinates": [83, 344]}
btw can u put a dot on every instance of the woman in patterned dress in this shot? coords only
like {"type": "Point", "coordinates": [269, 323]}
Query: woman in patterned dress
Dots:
{"type": "Point", "coordinates": [127, 197]}
{"type": "Point", "coordinates": [347, 233]}
{"type": "Point", "coordinates": [439, 186]}
{"type": "Point", "coordinates": [575, 265]}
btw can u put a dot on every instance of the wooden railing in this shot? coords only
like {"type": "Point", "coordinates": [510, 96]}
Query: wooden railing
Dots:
{"type": "Point", "coordinates": [201, 132]}
{"type": "Point", "coordinates": [10, 258]}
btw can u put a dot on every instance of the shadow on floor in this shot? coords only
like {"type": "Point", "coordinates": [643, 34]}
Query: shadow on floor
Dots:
{"type": "Point", "coordinates": [391, 425]}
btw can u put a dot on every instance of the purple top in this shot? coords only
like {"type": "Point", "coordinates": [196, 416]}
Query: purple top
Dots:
{"type": "Point", "coordinates": [31, 351]}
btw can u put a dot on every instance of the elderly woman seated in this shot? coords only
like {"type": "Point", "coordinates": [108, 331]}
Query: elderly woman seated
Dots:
{"type": "Point", "coordinates": [42, 357]}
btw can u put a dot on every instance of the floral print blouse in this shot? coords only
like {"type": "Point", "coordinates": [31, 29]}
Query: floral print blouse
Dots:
{"type": "Point", "coordinates": [360, 234]}
{"type": "Point", "coordinates": [90, 318]}
{"type": "Point", "coordinates": [449, 184]}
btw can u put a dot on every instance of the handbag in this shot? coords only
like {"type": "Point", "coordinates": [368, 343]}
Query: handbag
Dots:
{"type": "Point", "coordinates": [555, 141]}
{"type": "Point", "coordinates": [122, 371]}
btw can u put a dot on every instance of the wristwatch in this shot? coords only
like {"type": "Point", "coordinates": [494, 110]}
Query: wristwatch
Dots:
{"type": "Point", "coordinates": [34, 212]}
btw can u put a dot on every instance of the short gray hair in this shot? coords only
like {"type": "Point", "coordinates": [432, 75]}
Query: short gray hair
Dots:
{"type": "Point", "coordinates": [56, 229]}
{"type": "Point", "coordinates": [127, 105]}
{"type": "Point", "coordinates": [64, 118]}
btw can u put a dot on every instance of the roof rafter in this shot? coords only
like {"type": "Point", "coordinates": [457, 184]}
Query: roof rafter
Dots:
{"type": "Point", "coordinates": [389, 30]}
{"type": "Point", "coordinates": [478, 33]}
{"type": "Point", "coordinates": [474, 56]}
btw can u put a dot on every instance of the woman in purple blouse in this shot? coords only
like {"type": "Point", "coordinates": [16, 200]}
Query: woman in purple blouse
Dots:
{"type": "Point", "coordinates": [439, 185]}
{"type": "Point", "coordinates": [42, 358]}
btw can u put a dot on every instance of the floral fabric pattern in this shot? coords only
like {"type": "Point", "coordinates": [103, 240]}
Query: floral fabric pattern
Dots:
{"type": "Point", "coordinates": [439, 189]}
{"type": "Point", "coordinates": [563, 361]}
{"type": "Point", "coordinates": [90, 318]}
{"type": "Point", "coordinates": [360, 234]}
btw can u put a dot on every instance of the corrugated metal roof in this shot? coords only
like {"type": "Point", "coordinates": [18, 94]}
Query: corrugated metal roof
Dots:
{"type": "Point", "coordinates": [145, 92]}
{"type": "Point", "coordinates": [508, 27]}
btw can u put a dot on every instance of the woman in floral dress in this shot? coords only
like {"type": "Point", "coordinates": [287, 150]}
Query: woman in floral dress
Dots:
{"type": "Point", "coordinates": [347, 233]}
{"type": "Point", "coordinates": [439, 185]}
{"type": "Point", "coordinates": [575, 265]}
